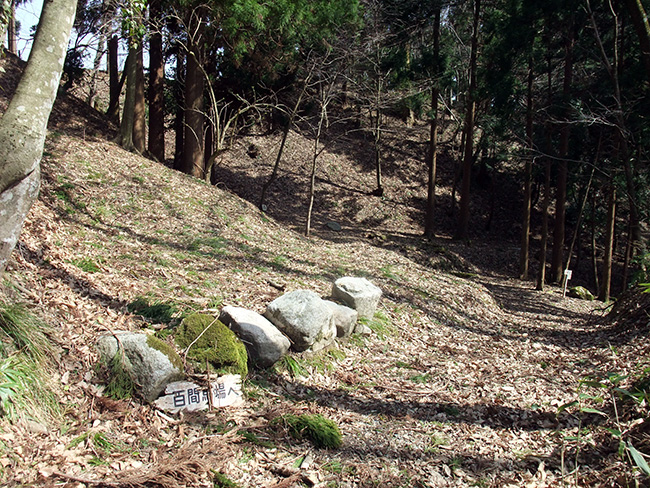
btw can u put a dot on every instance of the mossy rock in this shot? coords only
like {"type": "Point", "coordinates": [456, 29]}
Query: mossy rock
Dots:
{"type": "Point", "coordinates": [581, 292]}
{"type": "Point", "coordinates": [218, 345]}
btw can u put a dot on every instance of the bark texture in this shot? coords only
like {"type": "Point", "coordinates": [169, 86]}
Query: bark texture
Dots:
{"type": "Point", "coordinates": [23, 126]}
{"type": "Point", "coordinates": [156, 143]}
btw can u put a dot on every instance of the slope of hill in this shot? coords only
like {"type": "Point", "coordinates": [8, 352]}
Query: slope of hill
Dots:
{"type": "Point", "coordinates": [459, 385]}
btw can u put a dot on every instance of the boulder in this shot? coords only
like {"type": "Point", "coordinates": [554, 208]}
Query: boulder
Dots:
{"type": "Point", "coordinates": [305, 318]}
{"type": "Point", "coordinates": [580, 292]}
{"type": "Point", "coordinates": [264, 342]}
{"type": "Point", "coordinates": [151, 362]}
{"type": "Point", "coordinates": [345, 318]}
{"type": "Point", "coordinates": [210, 340]}
{"type": "Point", "coordinates": [359, 294]}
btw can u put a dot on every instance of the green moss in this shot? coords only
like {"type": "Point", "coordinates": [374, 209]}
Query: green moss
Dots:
{"type": "Point", "coordinates": [320, 431]}
{"type": "Point", "coordinates": [222, 481]}
{"type": "Point", "coordinates": [166, 349]}
{"type": "Point", "coordinates": [218, 345]}
{"type": "Point", "coordinates": [156, 312]}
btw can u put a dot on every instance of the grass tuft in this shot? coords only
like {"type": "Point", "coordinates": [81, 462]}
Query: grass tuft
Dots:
{"type": "Point", "coordinates": [24, 351]}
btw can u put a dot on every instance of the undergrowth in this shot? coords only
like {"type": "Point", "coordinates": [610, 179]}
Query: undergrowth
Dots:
{"type": "Point", "coordinates": [25, 350]}
{"type": "Point", "coordinates": [619, 407]}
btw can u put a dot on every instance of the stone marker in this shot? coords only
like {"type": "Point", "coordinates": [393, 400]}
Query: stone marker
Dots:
{"type": "Point", "coordinates": [305, 318]}
{"type": "Point", "coordinates": [190, 397]}
{"type": "Point", "coordinates": [264, 342]}
{"type": "Point", "coordinates": [359, 294]}
{"type": "Point", "coordinates": [152, 362]}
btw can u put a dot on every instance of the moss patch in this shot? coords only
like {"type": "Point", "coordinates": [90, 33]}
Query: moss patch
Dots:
{"type": "Point", "coordinates": [320, 431]}
{"type": "Point", "coordinates": [218, 345]}
{"type": "Point", "coordinates": [166, 349]}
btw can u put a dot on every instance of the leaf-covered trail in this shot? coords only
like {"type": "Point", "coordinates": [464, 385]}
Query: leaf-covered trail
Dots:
{"type": "Point", "coordinates": [459, 384]}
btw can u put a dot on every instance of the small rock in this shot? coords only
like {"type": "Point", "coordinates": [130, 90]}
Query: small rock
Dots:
{"type": "Point", "coordinates": [359, 294]}
{"type": "Point", "coordinates": [35, 427]}
{"type": "Point", "coordinates": [345, 318]}
{"type": "Point", "coordinates": [335, 226]}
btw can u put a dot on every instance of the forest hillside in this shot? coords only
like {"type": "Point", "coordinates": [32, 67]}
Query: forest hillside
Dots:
{"type": "Point", "coordinates": [469, 378]}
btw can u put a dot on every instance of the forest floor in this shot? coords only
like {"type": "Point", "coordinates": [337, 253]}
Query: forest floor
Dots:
{"type": "Point", "coordinates": [462, 382]}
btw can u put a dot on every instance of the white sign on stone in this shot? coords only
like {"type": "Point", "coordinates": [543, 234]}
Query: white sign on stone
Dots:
{"type": "Point", "coordinates": [189, 397]}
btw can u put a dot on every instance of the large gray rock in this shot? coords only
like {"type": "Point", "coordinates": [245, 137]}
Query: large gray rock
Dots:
{"type": "Point", "coordinates": [345, 318]}
{"type": "Point", "coordinates": [264, 342]}
{"type": "Point", "coordinates": [359, 294]}
{"type": "Point", "coordinates": [305, 318]}
{"type": "Point", "coordinates": [152, 362]}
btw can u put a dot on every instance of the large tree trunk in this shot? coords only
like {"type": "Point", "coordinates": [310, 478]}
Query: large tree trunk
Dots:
{"type": "Point", "coordinates": [193, 160]}
{"type": "Point", "coordinates": [113, 111]}
{"type": "Point", "coordinates": [156, 143]}
{"type": "Point", "coordinates": [23, 126]}
{"type": "Point", "coordinates": [432, 155]}
{"type": "Point", "coordinates": [557, 260]}
{"type": "Point", "coordinates": [139, 122]}
{"type": "Point", "coordinates": [468, 158]}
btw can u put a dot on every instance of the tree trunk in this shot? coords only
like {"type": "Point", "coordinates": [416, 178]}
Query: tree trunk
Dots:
{"type": "Point", "coordinates": [561, 194]}
{"type": "Point", "coordinates": [12, 45]}
{"type": "Point", "coordinates": [312, 177]}
{"type": "Point", "coordinates": [432, 155]}
{"type": "Point", "coordinates": [193, 160]}
{"type": "Point", "coordinates": [128, 114]}
{"type": "Point", "coordinates": [463, 215]}
{"type": "Point", "coordinates": [528, 175]}
{"type": "Point", "coordinates": [179, 118]}
{"type": "Point", "coordinates": [92, 92]}
{"type": "Point", "coordinates": [104, 32]}
{"type": "Point", "coordinates": [156, 89]}
{"type": "Point", "coordinates": [379, 191]}
{"type": "Point", "coordinates": [541, 273]}
{"type": "Point", "coordinates": [23, 126]}
{"type": "Point", "coordinates": [139, 109]}
{"type": "Point", "coordinates": [594, 252]}
{"type": "Point", "coordinates": [113, 111]}
{"type": "Point", "coordinates": [642, 27]}
{"type": "Point", "coordinates": [606, 281]}
{"type": "Point", "coordinates": [5, 15]}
